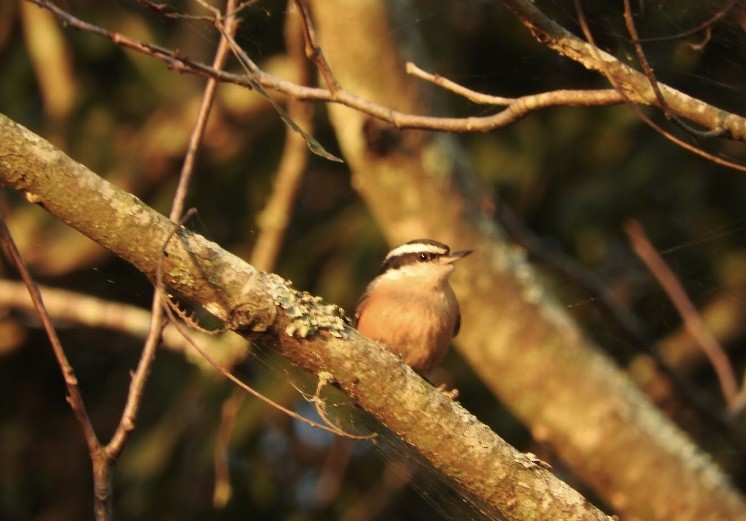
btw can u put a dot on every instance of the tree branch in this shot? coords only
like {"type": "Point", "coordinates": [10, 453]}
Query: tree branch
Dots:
{"type": "Point", "coordinates": [632, 83]}
{"type": "Point", "coordinates": [692, 320]}
{"type": "Point", "coordinates": [87, 311]}
{"type": "Point", "coordinates": [301, 327]}
{"type": "Point", "coordinates": [637, 88]}
{"type": "Point", "coordinates": [102, 480]}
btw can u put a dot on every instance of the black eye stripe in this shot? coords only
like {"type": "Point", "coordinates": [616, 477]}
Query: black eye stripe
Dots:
{"type": "Point", "coordinates": [407, 259]}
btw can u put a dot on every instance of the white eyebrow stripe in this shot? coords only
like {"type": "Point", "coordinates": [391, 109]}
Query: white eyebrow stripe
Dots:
{"type": "Point", "coordinates": [415, 248]}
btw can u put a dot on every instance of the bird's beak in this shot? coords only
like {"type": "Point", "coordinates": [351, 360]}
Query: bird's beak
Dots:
{"type": "Point", "coordinates": [456, 255]}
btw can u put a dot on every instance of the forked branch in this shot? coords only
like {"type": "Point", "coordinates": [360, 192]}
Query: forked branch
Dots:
{"type": "Point", "coordinates": [556, 37]}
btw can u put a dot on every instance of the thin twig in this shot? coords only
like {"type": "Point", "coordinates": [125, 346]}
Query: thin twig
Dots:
{"type": "Point", "coordinates": [647, 70]}
{"type": "Point", "coordinates": [208, 97]}
{"type": "Point", "coordinates": [99, 459]}
{"type": "Point", "coordinates": [252, 71]}
{"type": "Point", "coordinates": [464, 92]}
{"type": "Point", "coordinates": [530, 102]}
{"type": "Point", "coordinates": [272, 223]}
{"type": "Point", "coordinates": [313, 50]}
{"type": "Point", "coordinates": [157, 322]}
{"type": "Point", "coordinates": [701, 112]}
{"type": "Point", "coordinates": [604, 67]}
{"type": "Point", "coordinates": [630, 324]}
{"type": "Point", "coordinates": [134, 397]}
{"type": "Point", "coordinates": [692, 321]}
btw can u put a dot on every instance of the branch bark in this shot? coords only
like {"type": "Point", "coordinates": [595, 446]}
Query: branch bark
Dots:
{"type": "Point", "coordinates": [514, 335]}
{"type": "Point", "coordinates": [265, 309]}
{"type": "Point", "coordinates": [635, 85]}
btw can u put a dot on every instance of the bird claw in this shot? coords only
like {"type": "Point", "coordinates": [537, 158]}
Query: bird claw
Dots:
{"type": "Point", "coordinates": [451, 394]}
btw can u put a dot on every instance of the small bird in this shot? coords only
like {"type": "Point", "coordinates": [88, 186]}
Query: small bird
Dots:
{"type": "Point", "coordinates": [409, 307]}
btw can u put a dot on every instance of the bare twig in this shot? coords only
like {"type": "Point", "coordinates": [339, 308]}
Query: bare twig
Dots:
{"type": "Point", "coordinates": [127, 421]}
{"type": "Point", "coordinates": [605, 68]}
{"type": "Point", "coordinates": [113, 449]}
{"type": "Point", "coordinates": [272, 222]}
{"type": "Point", "coordinates": [208, 97]}
{"type": "Point", "coordinates": [229, 27]}
{"type": "Point", "coordinates": [644, 63]}
{"type": "Point", "coordinates": [99, 458]}
{"type": "Point", "coordinates": [647, 69]}
{"type": "Point", "coordinates": [692, 321]}
{"type": "Point", "coordinates": [464, 92]}
{"type": "Point", "coordinates": [703, 26]}
{"type": "Point", "coordinates": [528, 103]}
{"type": "Point", "coordinates": [695, 110]}
{"type": "Point", "coordinates": [313, 50]}
{"type": "Point", "coordinates": [157, 323]}
{"type": "Point", "coordinates": [252, 71]}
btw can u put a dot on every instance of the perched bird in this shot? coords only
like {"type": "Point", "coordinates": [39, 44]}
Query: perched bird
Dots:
{"type": "Point", "coordinates": [409, 306]}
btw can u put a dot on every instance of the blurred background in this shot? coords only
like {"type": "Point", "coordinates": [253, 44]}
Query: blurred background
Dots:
{"type": "Point", "coordinates": [573, 176]}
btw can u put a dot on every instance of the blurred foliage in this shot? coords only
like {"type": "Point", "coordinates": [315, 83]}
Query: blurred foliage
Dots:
{"type": "Point", "coordinates": [574, 175]}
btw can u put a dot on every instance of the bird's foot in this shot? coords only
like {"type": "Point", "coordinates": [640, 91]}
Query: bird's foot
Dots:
{"type": "Point", "coordinates": [452, 394]}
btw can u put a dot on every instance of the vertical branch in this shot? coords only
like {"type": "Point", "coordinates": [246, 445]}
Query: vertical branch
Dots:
{"type": "Point", "coordinates": [113, 449]}
{"type": "Point", "coordinates": [157, 323]}
{"type": "Point", "coordinates": [208, 97]}
{"type": "Point", "coordinates": [101, 478]}
{"type": "Point", "coordinates": [646, 68]}
{"type": "Point", "coordinates": [312, 48]}
{"type": "Point", "coordinates": [692, 321]}
{"type": "Point", "coordinates": [274, 219]}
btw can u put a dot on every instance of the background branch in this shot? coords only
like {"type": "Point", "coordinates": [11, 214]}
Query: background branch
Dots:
{"type": "Point", "coordinates": [102, 480]}
{"type": "Point", "coordinates": [686, 309]}
{"type": "Point", "coordinates": [84, 310]}
{"type": "Point", "coordinates": [556, 37]}
{"type": "Point", "coordinates": [633, 84]}
{"type": "Point", "coordinates": [273, 221]}
{"type": "Point", "coordinates": [515, 336]}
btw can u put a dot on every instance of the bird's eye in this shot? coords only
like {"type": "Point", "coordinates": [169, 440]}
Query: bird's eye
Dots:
{"type": "Point", "coordinates": [423, 257]}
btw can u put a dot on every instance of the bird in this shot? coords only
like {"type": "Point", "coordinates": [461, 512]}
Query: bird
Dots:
{"type": "Point", "coordinates": [410, 307]}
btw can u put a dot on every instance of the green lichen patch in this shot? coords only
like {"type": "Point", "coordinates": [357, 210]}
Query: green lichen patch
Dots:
{"type": "Point", "coordinates": [308, 313]}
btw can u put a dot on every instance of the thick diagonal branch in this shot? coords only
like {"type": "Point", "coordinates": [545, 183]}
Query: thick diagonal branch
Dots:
{"type": "Point", "coordinates": [454, 441]}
